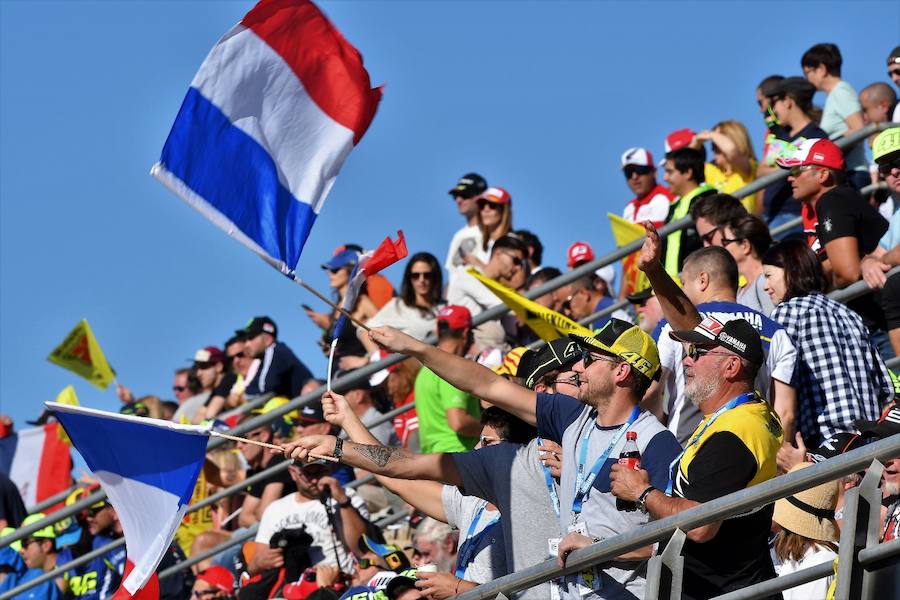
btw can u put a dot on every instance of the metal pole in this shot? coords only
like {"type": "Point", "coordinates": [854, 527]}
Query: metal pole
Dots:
{"type": "Point", "coordinates": [771, 587]}
{"type": "Point", "coordinates": [856, 532]}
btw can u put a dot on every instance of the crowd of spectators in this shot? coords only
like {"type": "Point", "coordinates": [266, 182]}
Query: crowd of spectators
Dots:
{"type": "Point", "coordinates": [730, 366]}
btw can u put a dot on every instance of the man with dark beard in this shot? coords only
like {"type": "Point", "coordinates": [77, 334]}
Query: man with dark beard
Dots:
{"type": "Point", "coordinates": [733, 448]}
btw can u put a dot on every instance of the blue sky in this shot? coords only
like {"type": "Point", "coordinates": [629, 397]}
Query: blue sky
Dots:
{"type": "Point", "coordinates": [540, 97]}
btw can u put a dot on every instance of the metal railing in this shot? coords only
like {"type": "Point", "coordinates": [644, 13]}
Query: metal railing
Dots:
{"type": "Point", "coordinates": [709, 512]}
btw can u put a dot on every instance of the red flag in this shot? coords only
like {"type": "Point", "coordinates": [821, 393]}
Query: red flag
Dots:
{"type": "Point", "coordinates": [386, 254]}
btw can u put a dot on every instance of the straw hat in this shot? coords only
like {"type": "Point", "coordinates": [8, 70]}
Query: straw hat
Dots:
{"type": "Point", "coordinates": [810, 513]}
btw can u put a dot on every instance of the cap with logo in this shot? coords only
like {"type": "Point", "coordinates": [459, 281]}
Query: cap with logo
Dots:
{"type": "Point", "coordinates": [45, 533]}
{"type": "Point", "coordinates": [344, 258]}
{"type": "Point", "coordinates": [836, 445]}
{"type": "Point", "coordinates": [817, 152]}
{"type": "Point", "coordinates": [497, 195]}
{"type": "Point", "coordinates": [209, 356]}
{"type": "Point", "coordinates": [392, 555]}
{"type": "Point", "coordinates": [679, 138]}
{"type": "Point", "coordinates": [469, 185]}
{"type": "Point", "coordinates": [258, 325]}
{"type": "Point", "coordinates": [887, 425]}
{"type": "Point", "coordinates": [736, 335]}
{"type": "Point", "coordinates": [557, 355]}
{"type": "Point", "coordinates": [455, 316]}
{"type": "Point", "coordinates": [887, 145]}
{"type": "Point", "coordinates": [628, 342]}
{"type": "Point", "coordinates": [312, 413]}
{"type": "Point", "coordinates": [640, 157]}
{"type": "Point", "coordinates": [405, 580]}
{"type": "Point", "coordinates": [579, 252]}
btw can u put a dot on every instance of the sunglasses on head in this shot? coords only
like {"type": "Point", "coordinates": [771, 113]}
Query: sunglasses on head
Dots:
{"type": "Point", "coordinates": [483, 203]}
{"type": "Point", "coordinates": [420, 274]}
{"type": "Point", "coordinates": [588, 358]}
{"type": "Point", "coordinates": [696, 352]}
{"type": "Point", "coordinates": [885, 169]}
{"type": "Point", "coordinates": [631, 170]}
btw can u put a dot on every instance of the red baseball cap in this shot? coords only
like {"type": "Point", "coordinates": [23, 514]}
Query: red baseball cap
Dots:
{"type": "Point", "coordinates": [579, 252]}
{"type": "Point", "coordinates": [208, 357]}
{"type": "Point", "coordinates": [679, 139]}
{"type": "Point", "coordinates": [497, 195]}
{"type": "Point", "coordinates": [455, 316]}
{"type": "Point", "coordinates": [815, 151]}
{"type": "Point", "coordinates": [219, 577]}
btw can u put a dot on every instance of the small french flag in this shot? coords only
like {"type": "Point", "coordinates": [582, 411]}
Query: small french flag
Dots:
{"type": "Point", "coordinates": [274, 110]}
{"type": "Point", "coordinates": [148, 469]}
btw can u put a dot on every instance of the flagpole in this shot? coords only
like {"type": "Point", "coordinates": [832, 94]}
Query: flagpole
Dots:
{"type": "Point", "coordinates": [235, 438]}
{"type": "Point", "coordinates": [328, 301]}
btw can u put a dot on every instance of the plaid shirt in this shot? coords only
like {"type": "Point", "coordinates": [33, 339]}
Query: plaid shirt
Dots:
{"type": "Point", "coordinates": [840, 376]}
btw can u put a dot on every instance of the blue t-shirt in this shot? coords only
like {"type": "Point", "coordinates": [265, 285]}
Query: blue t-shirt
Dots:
{"type": "Point", "coordinates": [98, 578]}
{"type": "Point", "coordinates": [42, 591]}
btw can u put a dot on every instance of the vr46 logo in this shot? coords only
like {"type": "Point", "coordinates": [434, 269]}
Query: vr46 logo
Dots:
{"type": "Point", "coordinates": [638, 362]}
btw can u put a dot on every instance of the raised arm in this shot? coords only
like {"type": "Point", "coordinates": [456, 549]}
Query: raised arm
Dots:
{"type": "Point", "coordinates": [463, 374]}
{"type": "Point", "coordinates": [676, 306]}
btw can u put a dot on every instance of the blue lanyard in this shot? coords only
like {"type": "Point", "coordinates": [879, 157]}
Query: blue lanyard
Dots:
{"type": "Point", "coordinates": [583, 484]}
{"type": "Point", "coordinates": [675, 464]}
{"type": "Point", "coordinates": [551, 487]}
{"type": "Point", "coordinates": [470, 543]}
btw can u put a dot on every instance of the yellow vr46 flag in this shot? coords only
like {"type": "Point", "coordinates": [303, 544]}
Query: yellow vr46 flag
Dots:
{"type": "Point", "coordinates": [81, 354]}
{"type": "Point", "coordinates": [546, 323]}
{"type": "Point", "coordinates": [625, 232]}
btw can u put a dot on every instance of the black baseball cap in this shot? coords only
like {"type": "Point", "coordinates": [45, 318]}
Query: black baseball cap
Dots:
{"type": "Point", "coordinates": [258, 325]}
{"type": "Point", "coordinates": [312, 413]}
{"type": "Point", "coordinates": [469, 186]}
{"type": "Point", "coordinates": [641, 296]}
{"type": "Point", "coordinates": [836, 445]}
{"type": "Point", "coordinates": [736, 335]}
{"type": "Point", "coordinates": [557, 355]}
{"type": "Point", "coordinates": [886, 426]}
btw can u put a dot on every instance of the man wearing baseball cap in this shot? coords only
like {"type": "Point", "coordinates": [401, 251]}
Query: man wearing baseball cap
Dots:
{"type": "Point", "coordinates": [734, 447]}
{"type": "Point", "coordinates": [465, 241]}
{"type": "Point", "coordinates": [280, 371]}
{"type": "Point", "coordinates": [840, 226]}
{"type": "Point", "coordinates": [651, 201]}
{"type": "Point", "coordinates": [617, 366]}
{"type": "Point", "coordinates": [448, 417]}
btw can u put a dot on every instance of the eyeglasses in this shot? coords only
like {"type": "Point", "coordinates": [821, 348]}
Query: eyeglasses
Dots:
{"type": "Point", "coordinates": [632, 170]}
{"type": "Point", "coordinates": [420, 274]}
{"type": "Point", "coordinates": [589, 358]}
{"type": "Point", "coordinates": [488, 440]}
{"type": "Point", "coordinates": [482, 204]}
{"type": "Point", "coordinates": [707, 238]}
{"type": "Point", "coordinates": [796, 171]}
{"type": "Point", "coordinates": [696, 352]}
{"type": "Point", "coordinates": [885, 169]}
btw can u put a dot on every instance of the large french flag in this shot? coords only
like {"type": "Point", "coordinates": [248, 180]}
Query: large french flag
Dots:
{"type": "Point", "coordinates": [38, 461]}
{"type": "Point", "coordinates": [148, 469]}
{"type": "Point", "coordinates": [274, 110]}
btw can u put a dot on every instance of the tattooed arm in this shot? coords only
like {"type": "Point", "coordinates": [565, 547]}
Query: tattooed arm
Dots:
{"type": "Point", "coordinates": [382, 460]}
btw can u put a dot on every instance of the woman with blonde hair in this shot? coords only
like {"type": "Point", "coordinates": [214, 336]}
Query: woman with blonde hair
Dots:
{"type": "Point", "coordinates": [494, 220]}
{"type": "Point", "coordinates": [808, 535]}
{"type": "Point", "coordinates": [734, 162]}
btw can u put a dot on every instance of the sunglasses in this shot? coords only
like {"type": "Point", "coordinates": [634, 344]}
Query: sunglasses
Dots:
{"type": "Point", "coordinates": [572, 380]}
{"type": "Point", "coordinates": [892, 72]}
{"type": "Point", "coordinates": [178, 388]}
{"type": "Point", "coordinates": [365, 563]}
{"type": "Point", "coordinates": [796, 171]}
{"type": "Point", "coordinates": [95, 510]}
{"type": "Point", "coordinates": [205, 593]}
{"type": "Point", "coordinates": [482, 204]}
{"type": "Point", "coordinates": [589, 358]}
{"type": "Point", "coordinates": [885, 169]}
{"type": "Point", "coordinates": [237, 356]}
{"type": "Point", "coordinates": [421, 275]}
{"type": "Point", "coordinates": [515, 259]}
{"type": "Point", "coordinates": [696, 352]}
{"type": "Point", "coordinates": [28, 541]}
{"type": "Point", "coordinates": [631, 170]}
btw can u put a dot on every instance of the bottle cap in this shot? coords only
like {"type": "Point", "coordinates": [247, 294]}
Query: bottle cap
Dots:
{"type": "Point", "coordinates": [631, 435]}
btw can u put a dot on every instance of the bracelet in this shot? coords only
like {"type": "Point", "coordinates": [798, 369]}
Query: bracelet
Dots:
{"type": "Point", "coordinates": [345, 504]}
{"type": "Point", "coordinates": [338, 448]}
{"type": "Point", "coordinates": [642, 499]}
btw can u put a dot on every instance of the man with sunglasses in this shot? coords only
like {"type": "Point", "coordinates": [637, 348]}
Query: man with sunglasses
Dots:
{"type": "Point", "coordinates": [617, 366]}
{"type": "Point", "coordinates": [651, 200]}
{"type": "Point", "coordinates": [465, 241]}
{"type": "Point", "coordinates": [734, 447]}
{"type": "Point", "coordinates": [39, 553]}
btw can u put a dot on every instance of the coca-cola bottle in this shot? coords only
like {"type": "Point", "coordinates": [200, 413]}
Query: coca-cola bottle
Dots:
{"type": "Point", "coordinates": [631, 458]}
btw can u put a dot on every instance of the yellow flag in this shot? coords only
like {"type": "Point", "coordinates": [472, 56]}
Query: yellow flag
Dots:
{"type": "Point", "coordinates": [547, 324]}
{"type": "Point", "coordinates": [625, 232]}
{"type": "Point", "coordinates": [67, 396]}
{"type": "Point", "coordinates": [81, 354]}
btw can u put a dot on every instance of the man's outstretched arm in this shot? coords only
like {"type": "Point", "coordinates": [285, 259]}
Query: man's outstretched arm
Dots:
{"type": "Point", "coordinates": [382, 460]}
{"type": "Point", "coordinates": [463, 374]}
{"type": "Point", "coordinates": [676, 306]}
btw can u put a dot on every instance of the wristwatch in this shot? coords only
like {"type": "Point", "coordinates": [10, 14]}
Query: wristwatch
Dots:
{"type": "Point", "coordinates": [642, 499]}
{"type": "Point", "coordinates": [338, 448]}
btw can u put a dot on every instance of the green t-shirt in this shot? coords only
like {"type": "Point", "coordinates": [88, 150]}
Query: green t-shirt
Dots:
{"type": "Point", "coordinates": [434, 397]}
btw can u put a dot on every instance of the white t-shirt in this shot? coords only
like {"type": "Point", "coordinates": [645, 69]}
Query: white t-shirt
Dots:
{"type": "Point", "coordinates": [465, 241]}
{"type": "Point", "coordinates": [815, 555]}
{"type": "Point", "coordinates": [291, 513]}
{"type": "Point", "coordinates": [781, 357]}
{"type": "Point", "coordinates": [488, 559]}
{"type": "Point", "coordinates": [465, 290]}
{"type": "Point", "coordinates": [410, 320]}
